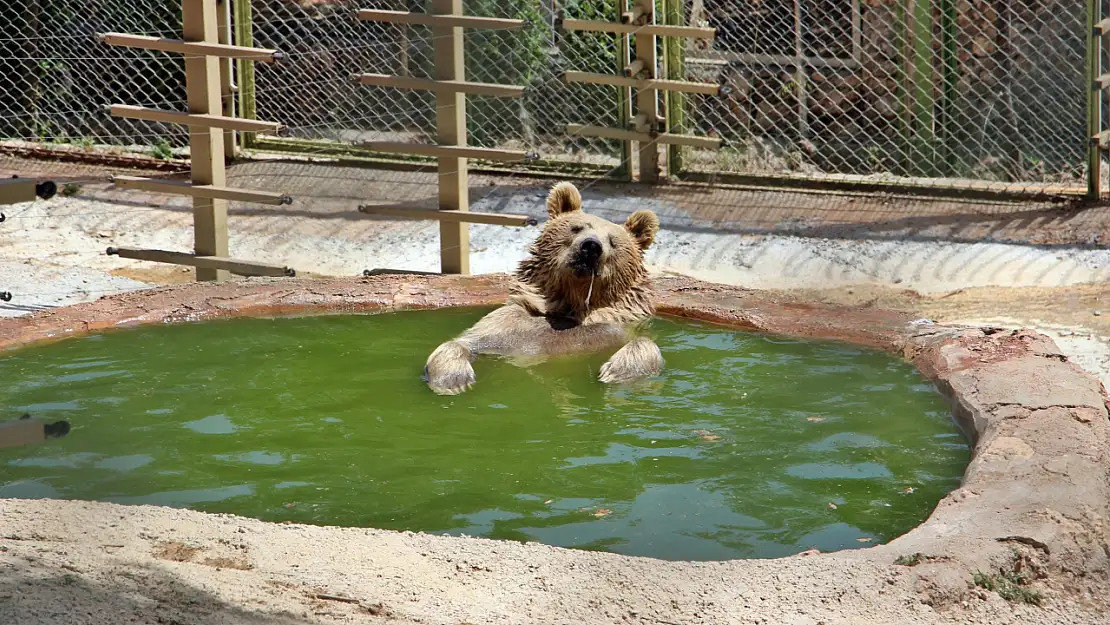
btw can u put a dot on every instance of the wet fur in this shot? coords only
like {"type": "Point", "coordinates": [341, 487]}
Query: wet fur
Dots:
{"type": "Point", "coordinates": [552, 309]}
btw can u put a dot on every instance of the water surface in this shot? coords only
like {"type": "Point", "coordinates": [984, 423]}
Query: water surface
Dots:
{"type": "Point", "coordinates": [747, 446]}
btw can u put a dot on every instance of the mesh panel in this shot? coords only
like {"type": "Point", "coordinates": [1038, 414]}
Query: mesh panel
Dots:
{"type": "Point", "coordinates": [55, 77]}
{"type": "Point", "coordinates": [958, 89]}
{"type": "Point", "coordinates": [945, 89]}
{"type": "Point", "coordinates": [313, 95]}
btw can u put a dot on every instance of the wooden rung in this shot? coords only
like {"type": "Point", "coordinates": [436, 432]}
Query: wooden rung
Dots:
{"type": "Point", "coordinates": [683, 86]}
{"type": "Point", "coordinates": [659, 30]}
{"type": "Point", "coordinates": [1103, 26]}
{"type": "Point", "coordinates": [1103, 81]}
{"type": "Point", "coordinates": [450, 86]}
{"type": "Point", "coordinates": [235, 266]}
{"type": "Point", "coordinates": [426, 19]}
{"type": "Point", "coordinates": [634, 68]}
{"type": "Point", "coordinates": [495, 219]}
{"type": "Point", "coordinates": [191, 119]}
{"type": "Point", "coordinates": [180, 187]}
{"type": "Point", "coordinates": [448, 151]}
{"type": "Point", "coordinates": [194, 48]}
{"type": "Point", "coordinates": [603, 132]}
{"type": "Point", "coordinates": [19, 190]}
{"type": "Point", "coordinates": [1102, 138]}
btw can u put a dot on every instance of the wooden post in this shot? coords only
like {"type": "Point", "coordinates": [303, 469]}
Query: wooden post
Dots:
{"type": "Point", "coordinates": [454, 194]}
{"type": "Point", "coordinates": [647, 103]}
{"type": "Point", "coordinates": [206, 145]}
{"type": "Point", "coordinates": [227, 95]}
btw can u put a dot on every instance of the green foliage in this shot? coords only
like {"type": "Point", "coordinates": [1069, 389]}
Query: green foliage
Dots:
{"type": "Point", "coordinates": [1011, 586]}
{"type": "Point", "coordinates": [590, 52]}
{"type": "Point", "coordinates": [909, 560]}
{"type": "Point", "coordinates": [162, 150]}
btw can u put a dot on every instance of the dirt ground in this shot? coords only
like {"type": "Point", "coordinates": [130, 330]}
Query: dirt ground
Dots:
{"type": "Point", "coordinates": [1042, 266]}
{"type": "Point", "coordinates": [1032, 506]}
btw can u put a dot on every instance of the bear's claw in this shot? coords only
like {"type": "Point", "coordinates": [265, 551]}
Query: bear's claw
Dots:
{"type": "Point", "coordinates": [453, 383]}
{"type": "Point", "coordinates": [449, 371]}
{"type": "Point", "coordinates": [638, 359]}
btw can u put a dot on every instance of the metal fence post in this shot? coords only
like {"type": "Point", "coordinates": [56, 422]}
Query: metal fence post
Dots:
{"type": "Point", "coordinates": [1094, 99]}
{"type": "Point", "coordinates": [647, 101]}
{"type": "Point", "coordinates": [241, 20]}
{"type": "Point", "coordinates": [227, 88]}
{"type": "Point", "coordinates": [624, 97]}
{"type": "Point", "coordinates": [674, 67]}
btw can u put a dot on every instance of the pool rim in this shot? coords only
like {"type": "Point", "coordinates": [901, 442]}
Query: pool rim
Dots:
{"type": "Point", "coordinates": [1035, 485]}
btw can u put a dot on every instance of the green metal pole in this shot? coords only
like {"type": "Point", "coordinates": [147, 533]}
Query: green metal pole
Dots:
{"type": "Point", "coordinates": [674, 64]}
{"type": "Point", "coordinates": [922, 81]}
{"type": "Point", "coordinates": [244, 36]}
{"type": "Point", "coordinates": [624, 97]}
{"type": "Point", "coordinates": [1094, 99]}
{"type": "Point", "coordinates": [949, 75]}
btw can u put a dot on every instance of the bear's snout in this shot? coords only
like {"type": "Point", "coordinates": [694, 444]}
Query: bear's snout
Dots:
{"type": "Point", "coordinates": [588, 257]}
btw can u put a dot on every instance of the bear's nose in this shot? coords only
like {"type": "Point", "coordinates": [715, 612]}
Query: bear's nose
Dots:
{"type": "Point", "coordinates": [591, 248]}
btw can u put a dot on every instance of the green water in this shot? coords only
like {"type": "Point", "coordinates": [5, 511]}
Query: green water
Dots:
{"type": "Point", "coordinates": [747, 446]}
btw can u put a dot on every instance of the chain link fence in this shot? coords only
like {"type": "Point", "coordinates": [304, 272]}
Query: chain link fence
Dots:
{"type": "Point", "coordinates": [955, 89]}
{"type": "Point", "coordinates": [313, 95]}
{"type": "Point", "coordinates": [56, 78]}
{"type": "Point", "coordinates": [949, 90]}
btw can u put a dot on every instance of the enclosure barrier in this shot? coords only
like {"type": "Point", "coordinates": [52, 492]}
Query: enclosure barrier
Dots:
{"type": "Point", "coordinates": [207, 81]}
{"type": "Point", "coordinates": [641, 75]}
{"type": "Point", "coordinates": [1098, 82]}
{"type": "Point", "coordinates": [450, 88]}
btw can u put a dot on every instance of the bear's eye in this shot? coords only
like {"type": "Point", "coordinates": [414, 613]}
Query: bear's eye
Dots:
{"type": "Point", "coordinates": [576, 229]}
{"type": "Point", "coordinates": [612, 241]}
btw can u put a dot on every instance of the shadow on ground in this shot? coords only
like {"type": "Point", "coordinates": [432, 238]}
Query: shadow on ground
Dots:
{"type": "Point", "coordinates": [34, 593]}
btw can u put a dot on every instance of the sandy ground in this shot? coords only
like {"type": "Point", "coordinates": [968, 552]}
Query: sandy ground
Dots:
{"type": "Point", "coordinates": [1003, 264]}
{"type": "Point", "coordinates": [100, 564]}
{"type": "Point", "coordinates": [1033, 501]}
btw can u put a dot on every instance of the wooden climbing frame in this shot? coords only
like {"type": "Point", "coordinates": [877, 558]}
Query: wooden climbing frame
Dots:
{"type": "Point", "coordinates": [211, 123]}
{"type": "Point", "coordinates": [446, 21]}
{"type": "Point", "coordinates": [641, 84]}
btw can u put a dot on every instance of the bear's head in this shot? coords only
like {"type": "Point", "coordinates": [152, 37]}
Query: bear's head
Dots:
{"type": "Point", "coordinates": [582, 262]}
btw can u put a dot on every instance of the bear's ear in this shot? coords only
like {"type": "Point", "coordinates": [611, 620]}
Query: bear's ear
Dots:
{"type": "Point", "coordinates": [564, 198]}
{"type": "Point", "coordinates": [643, 225]}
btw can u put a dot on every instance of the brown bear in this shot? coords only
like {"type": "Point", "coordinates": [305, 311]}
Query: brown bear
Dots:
{"type": "Point", "coordinates": [583, 288]}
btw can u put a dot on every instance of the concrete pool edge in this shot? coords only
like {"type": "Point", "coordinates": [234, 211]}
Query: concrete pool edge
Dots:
{"type": "Point", "coordinates": [1035, 494]}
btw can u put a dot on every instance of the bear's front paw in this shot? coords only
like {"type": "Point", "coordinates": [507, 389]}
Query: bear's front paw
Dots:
{"type": "Point", "coordinates": [448, 371]}
{"type": "Point", "coordinates": [451, 381]}
{"type": "Point", "coordinates": [639, 359]}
